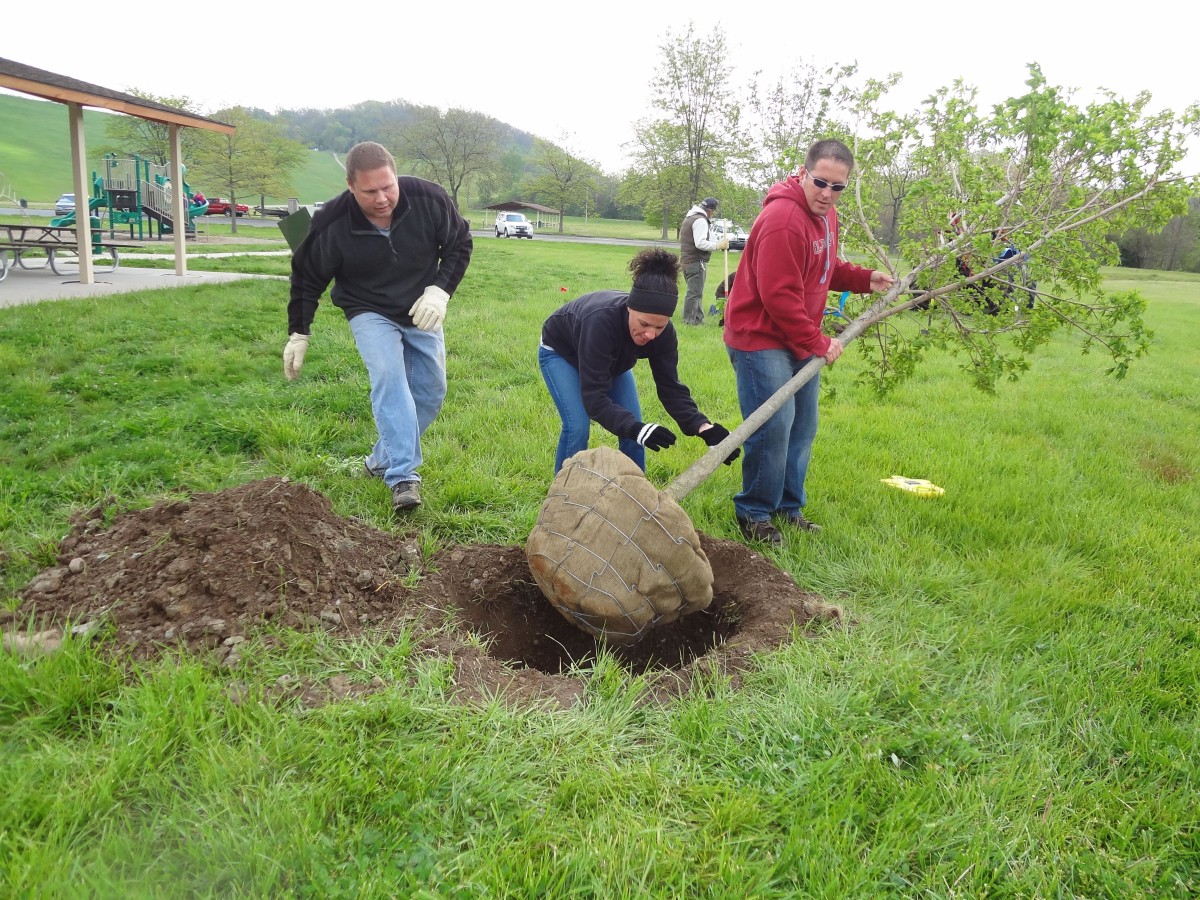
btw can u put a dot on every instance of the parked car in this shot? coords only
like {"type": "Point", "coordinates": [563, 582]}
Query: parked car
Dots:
{"type": "Point", "coordinates": [64, 205]}
{"type": "Point", "coordinates": [219, 206]}
{"type": "Point", "coordinates": [737, 236]}
{"type": "Point", "coordinates": [511, 224]}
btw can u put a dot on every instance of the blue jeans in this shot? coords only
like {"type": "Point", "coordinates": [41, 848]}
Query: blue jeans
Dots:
{"type": "Point", "coordinates": [407, 370]}
{"type": "Point", "coordinates": [776, 457]}
{"type": "Point", "coordinates": [562, 379]}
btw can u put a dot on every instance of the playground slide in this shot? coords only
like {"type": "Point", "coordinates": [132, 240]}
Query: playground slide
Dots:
{"type": "Point", "coordinates": [192, 209]}
{"type": "Point", "coordinates": [68, 220]}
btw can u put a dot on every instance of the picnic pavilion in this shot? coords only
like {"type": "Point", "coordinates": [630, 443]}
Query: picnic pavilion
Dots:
{"type": "Point", "coordinates": [76, 95]}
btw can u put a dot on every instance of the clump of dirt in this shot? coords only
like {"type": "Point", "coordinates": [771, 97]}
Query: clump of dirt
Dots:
{"type": "Point", "coordinates": [205, 574]}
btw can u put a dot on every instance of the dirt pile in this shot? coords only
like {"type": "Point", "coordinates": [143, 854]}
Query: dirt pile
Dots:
{"type": "Point", "coordinates": [205, 574]}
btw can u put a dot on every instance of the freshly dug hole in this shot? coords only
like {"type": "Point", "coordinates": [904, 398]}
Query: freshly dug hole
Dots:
{"type": "Point", "coordinates": [202, 575]}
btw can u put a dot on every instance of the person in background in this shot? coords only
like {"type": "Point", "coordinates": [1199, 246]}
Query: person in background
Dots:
{"type": "Point", "coordinates": [395, 249]}
{"type": "Point", "coordinates": [589, 347]}
{"type": "Point", "coordinates": [773, 328]}
{"type": "Point", "coordinates": [696, 246]}
{"type": "Point", "coordinates": [718, 308]}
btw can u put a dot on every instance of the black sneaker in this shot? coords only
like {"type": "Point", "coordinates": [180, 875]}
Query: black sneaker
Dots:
{"type": "Point", "coordinates": [796, 520]}
{"type": "Point", "coordinates": [406, 495]}
{"type": "Point", "coordinates": [760, 531]}
{"type": "Point", "coordinates": [372, 471]}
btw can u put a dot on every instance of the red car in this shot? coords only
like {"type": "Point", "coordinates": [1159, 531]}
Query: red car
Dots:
{"type": "Point", "coordinates": [219, 206]}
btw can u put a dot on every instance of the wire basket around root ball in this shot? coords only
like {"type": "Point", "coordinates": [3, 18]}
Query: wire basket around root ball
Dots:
{"type": "Point", "coordinates": [613, 554]}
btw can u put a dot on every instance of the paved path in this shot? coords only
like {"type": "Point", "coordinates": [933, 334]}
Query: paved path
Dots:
{"type": "Point", "coordinates": [171, 256]}
{"type": "Point", "coordinates": [35, 285]}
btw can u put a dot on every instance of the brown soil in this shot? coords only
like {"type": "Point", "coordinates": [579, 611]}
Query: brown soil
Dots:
{"type": "Point", "coordinates": [206, 574]}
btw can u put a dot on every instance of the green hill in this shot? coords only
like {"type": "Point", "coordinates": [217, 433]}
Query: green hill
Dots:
{"type": "Point", "coordinates": [35, 154]}
{"type": "Point", "coordinates": [320, 178]}
{"type": "Point", "coordinates": [35, 147]}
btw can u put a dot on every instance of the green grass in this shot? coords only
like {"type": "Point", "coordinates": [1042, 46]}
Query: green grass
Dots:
{"type": "Point", "coordinates": [319, 178]}
{"type": "Point", "coordinates": [1014, 714]}
{"type": "Point", "coordinates": [35, 147]}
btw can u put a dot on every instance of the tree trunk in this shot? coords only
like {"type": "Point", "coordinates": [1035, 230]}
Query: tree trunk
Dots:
{"type": "Point", "coordinates": [694, 476]}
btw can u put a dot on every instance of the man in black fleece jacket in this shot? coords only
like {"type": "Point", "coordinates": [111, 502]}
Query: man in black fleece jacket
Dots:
{"type": "Point", "coordinates": [395, 249]}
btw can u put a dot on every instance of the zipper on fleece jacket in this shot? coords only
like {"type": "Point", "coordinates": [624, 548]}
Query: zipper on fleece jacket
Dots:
{"type": "Point", "coordinates": [825, 274]}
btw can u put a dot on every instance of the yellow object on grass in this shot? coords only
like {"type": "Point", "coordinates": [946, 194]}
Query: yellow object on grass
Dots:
{"type": "Point", "coordinates": [918, 486]}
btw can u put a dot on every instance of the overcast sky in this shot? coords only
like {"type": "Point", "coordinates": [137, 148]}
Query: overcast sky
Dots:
{"type": "Point", "coordinates": [579, 74]}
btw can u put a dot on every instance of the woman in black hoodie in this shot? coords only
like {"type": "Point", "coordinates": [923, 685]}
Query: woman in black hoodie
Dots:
{"type": "Point", "coordinates": [589, 347]}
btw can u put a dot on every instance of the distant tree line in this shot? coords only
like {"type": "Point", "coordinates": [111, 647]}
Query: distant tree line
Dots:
{"type": "Point", "coordinates": [478, 159]}
{"type": "Point", "coordinates": [707, 136]}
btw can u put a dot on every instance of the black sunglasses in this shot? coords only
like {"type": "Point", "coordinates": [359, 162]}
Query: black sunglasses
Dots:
{"type": "Point", "coordinates": [821, 184]}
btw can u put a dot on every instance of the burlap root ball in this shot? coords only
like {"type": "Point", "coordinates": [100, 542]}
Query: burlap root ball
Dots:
{"type": "Point", "coordinates": [612, 553]}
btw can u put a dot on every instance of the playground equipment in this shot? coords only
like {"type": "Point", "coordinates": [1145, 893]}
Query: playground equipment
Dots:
{"type": "Point", "coordinates": [137, 193]}
{"type": "Point", "coordinates": [95, 202]}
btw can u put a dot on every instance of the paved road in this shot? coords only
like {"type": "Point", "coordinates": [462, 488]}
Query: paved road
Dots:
{"type": "Point", "coordinates": [272, 222]}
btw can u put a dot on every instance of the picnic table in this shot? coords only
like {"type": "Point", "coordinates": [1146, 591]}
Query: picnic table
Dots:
{"type": "Point", "coordinates": [33, 246]}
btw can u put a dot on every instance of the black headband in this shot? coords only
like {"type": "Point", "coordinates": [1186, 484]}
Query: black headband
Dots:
{"type": "Point", "coordinates": [659, 303]}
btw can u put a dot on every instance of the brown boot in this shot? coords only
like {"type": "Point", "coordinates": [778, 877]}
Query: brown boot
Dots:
{"type": "Point", "coordinates": [760, 531]}
{"type": "Point", "coordinates": [406, 495]}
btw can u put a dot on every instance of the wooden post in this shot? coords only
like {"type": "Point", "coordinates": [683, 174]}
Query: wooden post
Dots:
{"type": "Point", "coordinates": [83, 194]}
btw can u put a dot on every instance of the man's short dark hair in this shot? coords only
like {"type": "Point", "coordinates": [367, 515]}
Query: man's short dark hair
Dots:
{"type": "Point", "coordinates": [366, 157]}
{"type": "Point", "coordinates": [828, 149]}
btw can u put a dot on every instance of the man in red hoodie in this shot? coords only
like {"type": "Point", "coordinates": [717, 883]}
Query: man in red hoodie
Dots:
{"type": "Point", "coordinates": [773, 327]}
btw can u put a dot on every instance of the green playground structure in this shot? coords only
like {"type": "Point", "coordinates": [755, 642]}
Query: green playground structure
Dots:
{"type": "Point", "coordinates": [136, 192]}
{"type": "Point", "coordinates": [94, 202]}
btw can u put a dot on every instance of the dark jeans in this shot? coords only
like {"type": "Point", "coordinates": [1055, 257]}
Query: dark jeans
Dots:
{"type": "Point", "coordinates": [775, 460]}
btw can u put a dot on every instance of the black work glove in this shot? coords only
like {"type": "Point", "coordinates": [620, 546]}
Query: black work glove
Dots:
{"type": "Point", "coordinates": [716, 434]}
{"type": "Point", "coordinates": [654, 437]}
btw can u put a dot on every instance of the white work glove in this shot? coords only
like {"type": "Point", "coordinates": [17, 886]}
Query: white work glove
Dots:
{"type": "Point", "coordinates": [429, 311]}
{"type": "Point", "coordinates": [723, 244]}
{"type": "Point", "coordinates": [293, 355]}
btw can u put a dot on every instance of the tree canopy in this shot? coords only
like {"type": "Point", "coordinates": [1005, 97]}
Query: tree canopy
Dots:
{"type": "Point", "coordinates": [450, 148]}
{"type": "Point", "coordinates": [1038, 172]}
{"type": "Point", "coordinates": [152, 140]}
{"type": "Point", "coordinates": [683, 154]}
{"type": "Point", "coordinates": [566, 178]}
{"type": "Point", "coordinates": [255, 159]}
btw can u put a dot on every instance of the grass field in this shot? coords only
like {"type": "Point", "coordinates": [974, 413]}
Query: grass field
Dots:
{"type": "Point", "coordinates": [1014, 715]}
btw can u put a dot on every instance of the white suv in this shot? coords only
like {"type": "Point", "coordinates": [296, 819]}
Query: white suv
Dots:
{"type": "Point", "coordinates": [511, 224]}
{"type": "Point", "coordinates": [724, 228]}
